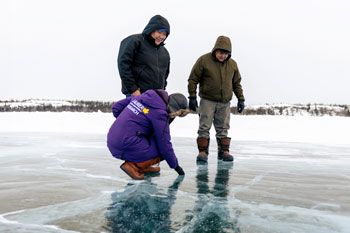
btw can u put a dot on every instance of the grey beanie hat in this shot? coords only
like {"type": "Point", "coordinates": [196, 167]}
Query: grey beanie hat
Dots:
{"type": "Point", "coordinates": [176, 102]}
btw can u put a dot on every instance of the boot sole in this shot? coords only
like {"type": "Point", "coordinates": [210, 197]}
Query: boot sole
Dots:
{"type": "Point", "coordinates": [202, 159]}
{"type": "Point", "coordinates": [226, 160]}
{"type": "Point", "coordinates": [221, 157]}
{"type": "Point", "coordinates": [128, 173]}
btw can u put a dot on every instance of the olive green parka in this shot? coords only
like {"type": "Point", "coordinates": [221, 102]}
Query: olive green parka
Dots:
{"type": "Point", "coordinates": [217, 80]}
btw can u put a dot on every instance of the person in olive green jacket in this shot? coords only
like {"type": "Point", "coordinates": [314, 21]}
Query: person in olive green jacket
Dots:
{"type": "Point", "coordinates": [218, 77]}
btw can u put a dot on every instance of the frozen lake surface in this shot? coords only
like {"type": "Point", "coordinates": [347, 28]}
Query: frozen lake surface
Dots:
{"type": "Point", "coordinates": [68, 182]}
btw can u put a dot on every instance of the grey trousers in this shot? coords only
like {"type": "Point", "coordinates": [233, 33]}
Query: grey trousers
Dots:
{"type": "Point", "coordinates": [213, 112]}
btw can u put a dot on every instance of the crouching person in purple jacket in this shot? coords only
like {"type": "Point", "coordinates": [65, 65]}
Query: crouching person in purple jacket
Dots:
{"type": "Point", "coordinates": [140, 134]}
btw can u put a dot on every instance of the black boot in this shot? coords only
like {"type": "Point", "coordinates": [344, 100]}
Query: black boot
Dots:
{"type": "Point", "coordinates": [224, 149]}
{"type": "Point", "coordinates": [203, 144]}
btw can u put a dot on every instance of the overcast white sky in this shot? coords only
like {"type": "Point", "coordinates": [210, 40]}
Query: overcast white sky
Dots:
{"type": "Point", "coordinates": [288, 51]}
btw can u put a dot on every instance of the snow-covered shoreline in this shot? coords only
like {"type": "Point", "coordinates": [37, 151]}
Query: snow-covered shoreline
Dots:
{"type": "Point", "coordinates": [305, 129]}
{"type": "Point", "coordinates": [42, 105]}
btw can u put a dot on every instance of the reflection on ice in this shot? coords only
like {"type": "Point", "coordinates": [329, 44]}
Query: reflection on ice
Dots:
{"type": "Point", "coordinates": [142, 208]}
{"type": "Point", "coordinates": [211, 212]}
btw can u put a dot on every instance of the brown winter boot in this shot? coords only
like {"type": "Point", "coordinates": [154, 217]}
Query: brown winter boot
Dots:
{"type": "Point", "coordinates": [146, 167]}
{"type": "Point", "coordinates": [203, 144]}
{"type": "Point", "coordinates": [132, 170]}
{"type": "Point", "coordinates": [224, 149]}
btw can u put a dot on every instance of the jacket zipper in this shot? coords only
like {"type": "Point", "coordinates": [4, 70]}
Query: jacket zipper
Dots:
{"type": "Point", "coordinates": [157, 63]}
{"type": "Point", "coordinates": [221, 77]}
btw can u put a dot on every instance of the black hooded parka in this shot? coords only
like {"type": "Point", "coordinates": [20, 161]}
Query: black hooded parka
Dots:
{"type": "Point", "coordinates": [142, 64]}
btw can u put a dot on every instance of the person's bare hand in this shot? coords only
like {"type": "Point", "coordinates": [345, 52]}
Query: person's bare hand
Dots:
{"type": "Point", "coordinates": [136, 93]}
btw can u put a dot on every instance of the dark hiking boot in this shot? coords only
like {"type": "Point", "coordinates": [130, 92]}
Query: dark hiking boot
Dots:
{"type": "Point", "coordinates": [226, 156]}
{"type": "Point", "coordinates": [203, 144]}
{"type": "Point", "coordinates": [132, 170]}
{"type": "Point", "coordinates": [146, 167]}
{"type": "Point", "coordinates": [224, 149]}
{"type": "Point", "coordinates": [202, 157]}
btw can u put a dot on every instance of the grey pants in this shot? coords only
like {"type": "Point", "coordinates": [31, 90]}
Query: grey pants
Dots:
{"type": "Point", "coordinates": [213, 112]}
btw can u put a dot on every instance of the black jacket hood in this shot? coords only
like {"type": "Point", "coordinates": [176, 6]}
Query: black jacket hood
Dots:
{"type": "Point", "coordinates": [155, 23]}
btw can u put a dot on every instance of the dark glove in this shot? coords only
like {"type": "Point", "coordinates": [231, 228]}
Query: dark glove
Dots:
{"type": "Point", "coordinates": [193, 103]}
{"type": "Point", "coordinates": [240, 106]}
{"type": "Point", "coordinates": [179, 170]}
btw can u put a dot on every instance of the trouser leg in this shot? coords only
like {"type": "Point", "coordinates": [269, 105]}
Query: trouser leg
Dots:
{"type": "Point", "coordinates": [222, 119]}
{"type": "Point", "coordinates": [206, 117]}
{"type": "Point", "coordinates": [222, 125]}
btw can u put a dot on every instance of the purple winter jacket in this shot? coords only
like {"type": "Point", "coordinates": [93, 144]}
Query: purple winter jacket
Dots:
{"type": "Point", "coordinates": [141, 130]}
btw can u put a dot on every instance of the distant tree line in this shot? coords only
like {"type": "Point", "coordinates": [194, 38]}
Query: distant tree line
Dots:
{"type": "Point", "coordinates": [105, 106]}
{"type": "Point", "coordinates": [74, 106]}
{"type": "Point", "coordinates": [297, 109]}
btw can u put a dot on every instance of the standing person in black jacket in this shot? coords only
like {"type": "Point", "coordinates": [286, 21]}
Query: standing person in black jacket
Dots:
{"type": "Point", "coordinates": [143, 61]}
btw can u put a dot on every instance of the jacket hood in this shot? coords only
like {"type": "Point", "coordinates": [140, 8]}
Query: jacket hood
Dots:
{"type": "Point", "coordinates": [157, 99]}
{"type": "Point", "coordinates": [163, 95]}
{"type": "Point", "coordinates": [222, 42]}
{"type": "Point", "coordinates": [155, 23]}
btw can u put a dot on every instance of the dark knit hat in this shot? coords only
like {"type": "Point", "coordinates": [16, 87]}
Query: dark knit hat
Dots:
{"type": "Point", "coordinates": [176, 102]}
